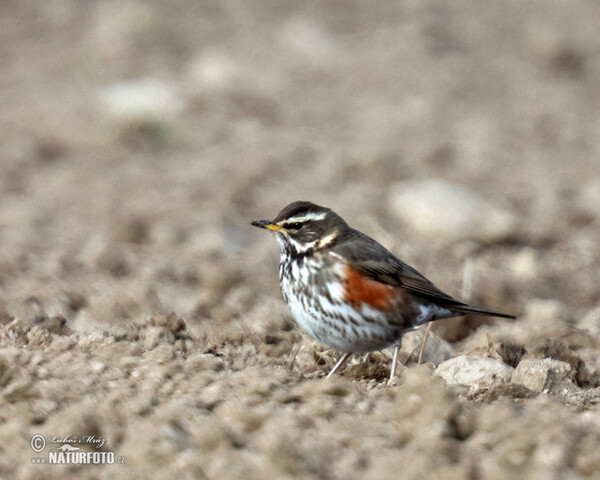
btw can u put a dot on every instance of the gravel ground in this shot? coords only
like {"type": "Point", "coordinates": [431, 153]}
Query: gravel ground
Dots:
{"type": "Point", "coordinates": [140, 313]}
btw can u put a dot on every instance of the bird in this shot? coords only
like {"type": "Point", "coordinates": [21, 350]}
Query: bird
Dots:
{"type": "Point", "coordinates": [346, 290]}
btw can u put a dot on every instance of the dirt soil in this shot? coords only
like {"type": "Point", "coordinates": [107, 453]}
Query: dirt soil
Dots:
{"type": "Point", "coordinates": [139, 308]}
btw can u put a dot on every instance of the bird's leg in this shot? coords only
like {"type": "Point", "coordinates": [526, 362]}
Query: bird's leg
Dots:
{"type": "Point", "coordinates": [395, 359]}
{"type": "Point", "coordinates": [394, 362]}
{"type": "Point", "coordinates": [339, 363]}
{"type": "Point", "coordinates": [423, 342]}
{"type": "Point", "coordinates": [290, 364]}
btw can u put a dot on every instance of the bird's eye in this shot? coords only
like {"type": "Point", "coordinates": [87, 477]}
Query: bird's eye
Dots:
{"type": "Point", "coordinates": [294, 226]}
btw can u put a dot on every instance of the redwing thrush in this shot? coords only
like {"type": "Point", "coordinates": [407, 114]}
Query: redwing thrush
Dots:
{"type": "Point", "coordinates": [346, 290]}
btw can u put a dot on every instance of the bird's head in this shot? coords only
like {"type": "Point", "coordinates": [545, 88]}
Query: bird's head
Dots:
{"type": "Point", "coordinates": [304, 227]}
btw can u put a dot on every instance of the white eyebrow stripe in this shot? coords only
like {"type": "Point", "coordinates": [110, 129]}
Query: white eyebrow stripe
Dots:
{"type": "Point", "coordinates": [307, 217]}
{"type": "Point", "coordinates": [326, 240]}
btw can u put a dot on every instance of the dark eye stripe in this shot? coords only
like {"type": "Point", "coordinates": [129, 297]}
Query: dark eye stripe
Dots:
{"type": "Point", "coordinates": [293, 226]}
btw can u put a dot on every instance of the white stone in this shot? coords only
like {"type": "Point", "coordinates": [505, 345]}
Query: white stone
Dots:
{"type": "Point", "coordinates": [474, 372]}
{"type": "Point", "coordinates": [140, 99]}
{"type": "Point", "coordinates": [450, 212]}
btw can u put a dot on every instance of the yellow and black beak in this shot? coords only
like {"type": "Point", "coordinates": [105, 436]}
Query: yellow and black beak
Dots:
{"type": "Point", "coordinates": [268, 224]}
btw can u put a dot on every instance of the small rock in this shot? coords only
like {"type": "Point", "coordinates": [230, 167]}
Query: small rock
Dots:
{"type": "Point", "coordinates": [450, 212]}
{"type": "Point", "coordinates": [474, 372]}
{"type": "Point", "coordinates": [541, 375]}
{"type": "Point", "coordinates": [140, 99]}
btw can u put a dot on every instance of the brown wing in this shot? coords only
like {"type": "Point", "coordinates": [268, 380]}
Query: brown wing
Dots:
{"type": "Point", "coordinates": [372, 260]}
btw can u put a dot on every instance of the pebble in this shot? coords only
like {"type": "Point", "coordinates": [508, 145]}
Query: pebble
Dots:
{"type": "Point", "coordinates": [450, 212]}
{"type": "Point", "coordinates": [474, 372]}
{"type": "Point", "coordinates": [147, 98]}
{"type": "Point", "coordinates": [541, 374]}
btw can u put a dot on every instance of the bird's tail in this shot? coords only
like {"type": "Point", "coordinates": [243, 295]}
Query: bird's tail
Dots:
{"type": "Point", "coordinates": [481, 311]}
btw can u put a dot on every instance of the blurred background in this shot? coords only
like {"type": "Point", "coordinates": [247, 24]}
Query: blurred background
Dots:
{"type": "Point", "coordinates": [138, 139]}
{"type": "Point", "coordinates": [138, 136]}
